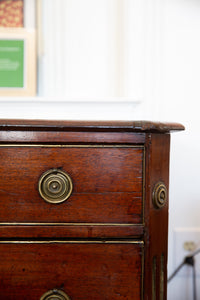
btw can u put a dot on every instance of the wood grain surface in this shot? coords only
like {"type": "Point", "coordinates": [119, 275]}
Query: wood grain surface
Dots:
{"type": "Point", "coordinates": [84, 271]}
{"type": "Point", "coordinates": [124, 126]}
{"type": "Point", "coordinates": [107, 241]}
{"type": "Point", "coordinates": [107, 184]}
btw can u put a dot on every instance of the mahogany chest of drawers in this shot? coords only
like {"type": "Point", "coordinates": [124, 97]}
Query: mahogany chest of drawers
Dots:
{"type": "Point", "coordinates": [83, 210]}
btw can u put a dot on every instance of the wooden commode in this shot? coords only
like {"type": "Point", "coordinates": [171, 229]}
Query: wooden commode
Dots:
{"type": "Point", "coordinates": [84, 210]}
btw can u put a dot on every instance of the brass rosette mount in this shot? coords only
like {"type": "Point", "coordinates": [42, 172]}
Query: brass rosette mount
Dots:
{"type": "Point", "coordinates": [159, 195]}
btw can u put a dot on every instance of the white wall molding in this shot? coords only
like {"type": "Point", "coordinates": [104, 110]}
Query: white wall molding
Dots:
{"type": "Point", "coordinates": [154, 36]}
{"type": "Point", "coordinates": [115, 66]}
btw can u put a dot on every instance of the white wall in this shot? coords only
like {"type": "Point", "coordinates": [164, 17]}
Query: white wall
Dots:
{"type": "Point", "coordinates": [180, 102]}
{"type": "Point", "coordinates": [169, 91]}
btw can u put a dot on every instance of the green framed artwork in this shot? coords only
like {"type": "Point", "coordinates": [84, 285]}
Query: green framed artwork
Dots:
{"type": "Point", "coordinates": [12, 63]}
{"type": "Point", "coordinates": [17, 62]}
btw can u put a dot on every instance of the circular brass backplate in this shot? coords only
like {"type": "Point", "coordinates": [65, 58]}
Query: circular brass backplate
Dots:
{"type": "Point", "coordinates": [55, 295]}
{"type": "Point", "coordinates": [159, 195]}
{"type": "Point", "coordinates": [55, 186]}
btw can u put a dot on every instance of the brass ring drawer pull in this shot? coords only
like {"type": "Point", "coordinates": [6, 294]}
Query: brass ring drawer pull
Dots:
{"type": "Point", "coordinates": [55, 186]}
{"type": "Point", "coordinates": [54, 295]}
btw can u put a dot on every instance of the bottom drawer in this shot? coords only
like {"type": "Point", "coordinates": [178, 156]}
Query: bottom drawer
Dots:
{"type": "Point", "coordinates": [83, 270]}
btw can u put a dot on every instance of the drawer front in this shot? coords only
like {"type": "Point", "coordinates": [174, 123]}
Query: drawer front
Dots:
{"type": "Point", "coordinates": [82, 270]}
{"type": "Point", "coordinates": [107, 184]}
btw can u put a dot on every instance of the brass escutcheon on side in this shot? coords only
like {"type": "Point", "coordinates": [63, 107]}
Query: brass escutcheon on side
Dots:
{"type": "Point", "coordinates": [54, 295]}
{"type": "Point", "coordinates": [159, 195]}
{"type": "Point", "coordinates": [55, 186]}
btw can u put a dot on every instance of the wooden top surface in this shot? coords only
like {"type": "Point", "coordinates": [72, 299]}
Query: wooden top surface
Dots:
{"type": "Point", "coordinates": [115, 126]}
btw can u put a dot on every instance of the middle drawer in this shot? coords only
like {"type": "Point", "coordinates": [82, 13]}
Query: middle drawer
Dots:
{"type": "Point", "coordinates": [107, 183]}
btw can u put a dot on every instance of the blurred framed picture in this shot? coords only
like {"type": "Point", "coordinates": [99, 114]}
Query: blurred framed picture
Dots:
{"type": "Point", "coordinates": [12, 13]}
{"type": "Point", "coordinates": [17, 62]}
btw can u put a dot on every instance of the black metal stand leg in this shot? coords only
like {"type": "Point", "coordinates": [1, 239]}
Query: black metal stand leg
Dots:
{"type": "Point", "coordinates": [194, 281]}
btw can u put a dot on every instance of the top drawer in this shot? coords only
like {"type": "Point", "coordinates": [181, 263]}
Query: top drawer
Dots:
{"type": "Point", "coordinates": [107, 183]}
